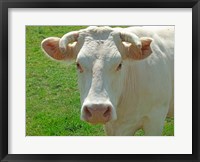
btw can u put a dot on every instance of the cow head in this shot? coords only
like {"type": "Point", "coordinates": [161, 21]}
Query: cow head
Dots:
{"type": "Point", "coordinates": [100, 54]}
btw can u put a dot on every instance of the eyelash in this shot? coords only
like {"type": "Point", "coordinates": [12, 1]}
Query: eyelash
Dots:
{"type": "Point", "coordinates": [79, 67]}
{"type": "Point", "coordinates": [119, 67]}
{"type": "Point", "coordinates": [81, 70]}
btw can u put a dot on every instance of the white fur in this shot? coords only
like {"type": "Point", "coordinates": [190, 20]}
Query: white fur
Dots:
{"type": "Point", "coordinates": [141, 92]}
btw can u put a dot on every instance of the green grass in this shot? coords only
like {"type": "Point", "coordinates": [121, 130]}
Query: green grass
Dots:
{"type": "Point", "coordinates": [52, 96]}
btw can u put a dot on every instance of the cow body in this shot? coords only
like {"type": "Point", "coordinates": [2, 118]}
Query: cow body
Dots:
{"type": "Point", "coordinates": [126, 81]}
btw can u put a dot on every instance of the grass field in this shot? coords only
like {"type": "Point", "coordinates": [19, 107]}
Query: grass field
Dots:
{"type": "Point", "coordinates": [52, 96]}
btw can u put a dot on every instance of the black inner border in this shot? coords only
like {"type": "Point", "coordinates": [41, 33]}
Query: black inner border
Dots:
{"type": "Point", "coordinates": [6, 4]}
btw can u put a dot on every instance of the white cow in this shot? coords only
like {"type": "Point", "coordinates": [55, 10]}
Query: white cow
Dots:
{"type": "Point", "coordinates": [125, 75]}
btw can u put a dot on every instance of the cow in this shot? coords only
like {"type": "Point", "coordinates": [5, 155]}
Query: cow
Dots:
{"type": "Point", "coordinates": [125, 75]}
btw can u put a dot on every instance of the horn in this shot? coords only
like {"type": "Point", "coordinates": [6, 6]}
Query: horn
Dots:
{"type": "Point", "coordinates": [66, 39]}
{"type": "Point", "coordinates": [130, 38]}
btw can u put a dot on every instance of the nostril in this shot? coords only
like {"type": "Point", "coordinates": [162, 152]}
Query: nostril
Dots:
{"type": "Point", "coordinates": [87, 112]}
{"type": "Point", "coordinates": [107, 112]}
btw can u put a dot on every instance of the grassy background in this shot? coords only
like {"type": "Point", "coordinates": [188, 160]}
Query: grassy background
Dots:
{"type": "Point", "coordinates": [52, 96]}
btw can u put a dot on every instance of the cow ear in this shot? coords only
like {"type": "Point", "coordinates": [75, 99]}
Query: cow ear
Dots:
{"type": "Point", "coordinates": [51, 47]}
{"type": "Point", "coordinates": [146, 48]}
{"type": "Point", "coordinates": [142, 51]}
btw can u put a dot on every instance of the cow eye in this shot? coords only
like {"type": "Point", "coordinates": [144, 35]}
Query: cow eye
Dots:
{"type": "Point", "coordinates": [79, 68]}
{"type": "Point", "coordinates": [119, 67]}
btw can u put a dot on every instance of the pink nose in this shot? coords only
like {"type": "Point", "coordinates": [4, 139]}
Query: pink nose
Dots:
{"type": "Point", "coordinates": [97, 113]}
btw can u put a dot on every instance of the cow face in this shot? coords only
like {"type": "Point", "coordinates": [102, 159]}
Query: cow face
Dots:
{"type": "Point", "coordinates": [99, 55]}
{"type": "Point", "coordinates": [99, 65]}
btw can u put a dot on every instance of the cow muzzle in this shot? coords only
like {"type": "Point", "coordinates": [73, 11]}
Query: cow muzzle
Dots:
{"type": "Point", "coordinates": [97, 113]}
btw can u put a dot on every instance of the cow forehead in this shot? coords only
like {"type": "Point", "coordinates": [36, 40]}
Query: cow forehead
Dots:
{"type": "Point", "coordinates": [97, 32]}
{"type": "Point", "coordinates": [104, 51]}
